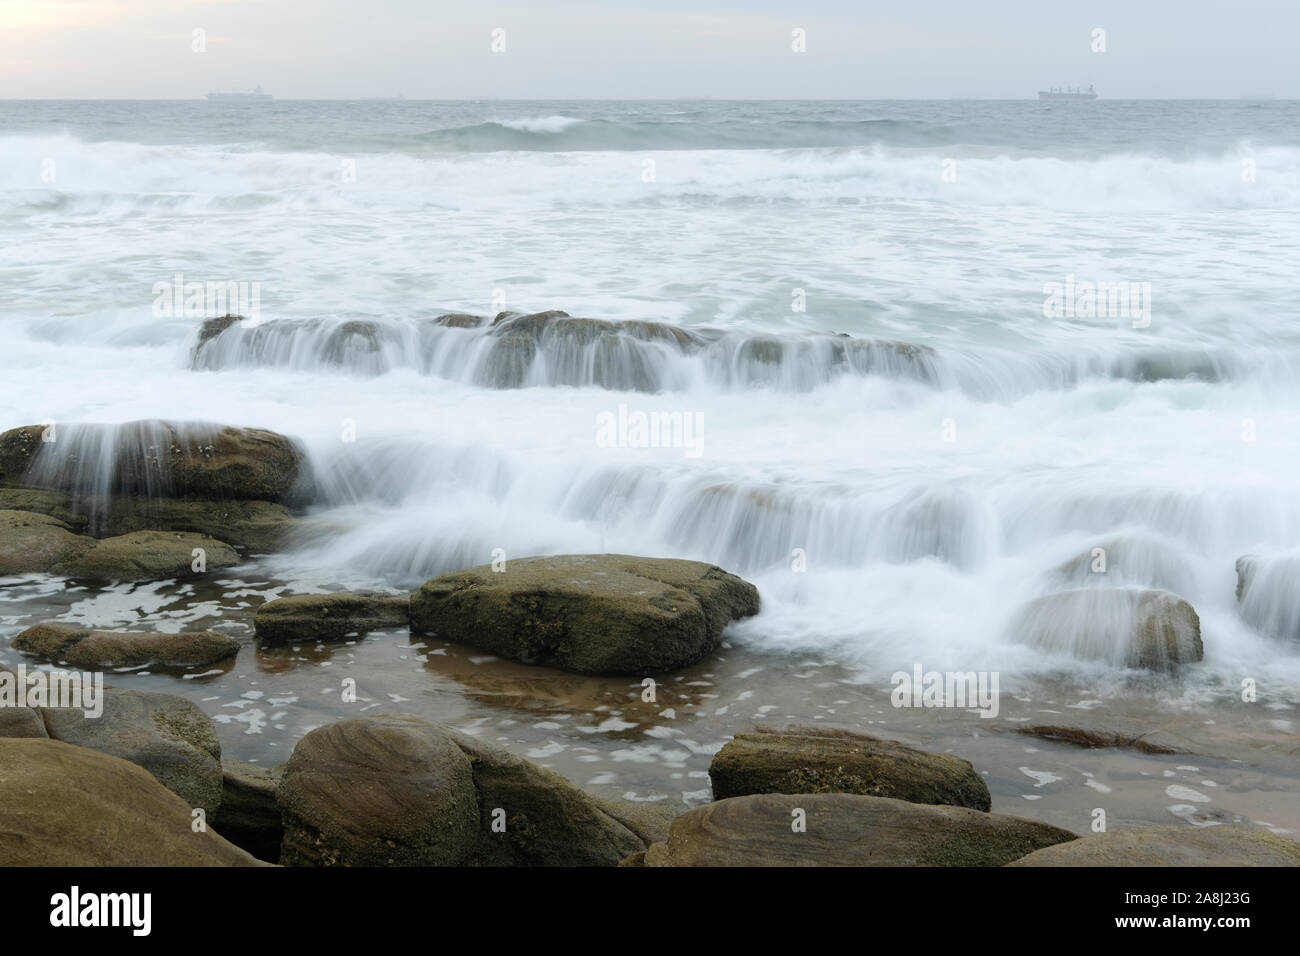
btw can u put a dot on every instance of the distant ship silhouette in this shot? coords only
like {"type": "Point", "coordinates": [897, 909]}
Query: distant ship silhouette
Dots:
{"type": "Point", "coordinates": [257, 96]}
{"type": "Point", "coordinates": [1067, 94]}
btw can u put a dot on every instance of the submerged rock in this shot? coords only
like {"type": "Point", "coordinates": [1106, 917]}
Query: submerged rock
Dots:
{"type": "Point", "coordinates": [1105, 732]}
{"type": "Point", "coordinates": [1128, 561]}
{"type": "Point", "coordinates": [62, 805]}
{"type": "Point", "coordinates": [328, 617]}
{"type": "Point", "coordinates": [553, 348]}
{"type": "Point", "coordinates": [835, 761]}
{"type": "Point", "coordinates": [1176, 845]}
{"type": "Point", "coordinates": [1126, 627]}
{"type": "Point", "coordinates": [91, 650]}
{"type": "Point", "coordinates": [1268, 594]}
{"type": "Point", "coordinates": [841, 829]}
{"type": "Point", "coordinates": [593, 614]}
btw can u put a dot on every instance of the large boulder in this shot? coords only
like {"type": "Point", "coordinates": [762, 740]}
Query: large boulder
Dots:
{"type": "Point", "coordinates": [33, 542]}
{"type": "Point", "coordinates": [155, 459]}
{"type": "Point", "coordinates": [1268, 593]}
{"type": "Point", "coordinates": [90, 650]}
{"type": "Point", "coordinates": [390, 790]}
{"type": "Point", "coordinates": [167, 735]}
{"type": "Point", "coordinates": [249, 816]}
{"type": "Point", "coordinates": [1125, 627]}
{"type": "Point", "coordinates": [830, 761]}
{"type": "Point", "coordinates": [398, 790]}
{"type": "Point", "coordinates": [328, 617]}
{"type": "Point", "coordinates": [1176, 845]}
{"type": "Point", "coordinates": [593, 614]}
{"type": "Point", "coordinates": [842, 829]}
{"type": "Point", "coordinates": [64, 806]}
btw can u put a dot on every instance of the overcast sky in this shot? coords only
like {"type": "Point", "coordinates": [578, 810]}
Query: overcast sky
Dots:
{"type": "Point", "coordinates": [648, 49]}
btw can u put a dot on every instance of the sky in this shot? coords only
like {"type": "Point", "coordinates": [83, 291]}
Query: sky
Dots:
{"type": "Point", "coordinates": [647, 49]}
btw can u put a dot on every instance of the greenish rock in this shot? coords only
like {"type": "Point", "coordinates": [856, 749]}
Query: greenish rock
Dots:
{"type": "Point", "coordinates": [148, 556]}
{"type": "Point", "coordinates": [592, 614]}
{"type": "Point", "coordinates": [389, 790]}
{"type": "Point", "coordinates": [158, 460]}
{"type": "Point", "coordinates": [249, 816]}
{"type": "Point", "coordinates": [167, 735]}
{"type": "Point", "coordinates": [1175, 845]}
{"type": "Point", "coordinates": [258, 526]}
{"type": "Point", "coordinates": [90, 650]}
{"type": "Point", "coordinates": [67, 806]}
{"type": "Point", "coordinates": [842, 829]}
{"type": "Point", "coordinates": [36, 543]}
{"type": "Point", "coordinates": [328, 617]}
{"type": "Point", "coordinates": [21, 722]}
{"type": "Point", "coordinates": [831, 761]}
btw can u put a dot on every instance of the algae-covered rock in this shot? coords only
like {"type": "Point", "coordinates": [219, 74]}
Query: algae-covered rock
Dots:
{"type": "Point", "coordinates": [90, 650]}
{"type": "Point", "coordinates": [328, 617]}
{"type": "Point", "coordinates": [148, 556]}
{"type": "Point", "coordinates": [35, 542]}
{"type": "Point", "coordinates": [810, 761]}
{"type": "Point", "coordinates": [593, 614]}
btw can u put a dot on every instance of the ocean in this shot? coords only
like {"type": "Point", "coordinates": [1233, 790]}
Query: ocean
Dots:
{"type": "Point", "coordinates": [938, 351]}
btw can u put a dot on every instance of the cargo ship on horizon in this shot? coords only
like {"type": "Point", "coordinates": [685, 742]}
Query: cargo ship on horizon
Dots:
{"type": "Point", "coordinates": [257, 96]}
{"type": "Point", "coordinates": [1068, 94]}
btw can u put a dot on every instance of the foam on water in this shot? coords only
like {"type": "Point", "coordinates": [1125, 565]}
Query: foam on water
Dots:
{"type": "Point", "coordinates": [953, 466]}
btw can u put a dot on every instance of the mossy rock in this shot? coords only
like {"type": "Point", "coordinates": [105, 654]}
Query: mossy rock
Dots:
{"type": "Point", "coordinates": [157, 459]}
{"type": "Point", "coordinates": [148, 556]}
{"type": "Point", "coordinates": [32, 543]}
{"type": "Point", "coordinates": [328, 617]}
{"type": "Point", "coordinates": [258, 526]}
{"type": "Point", "coordinates": [90, 650]}
{"type": "Point", "coordinates": [592, 614]}
{"type": "Point", "coordinates": [842, 762]}
{"type": "Point", "coordinates": [166, 735]}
